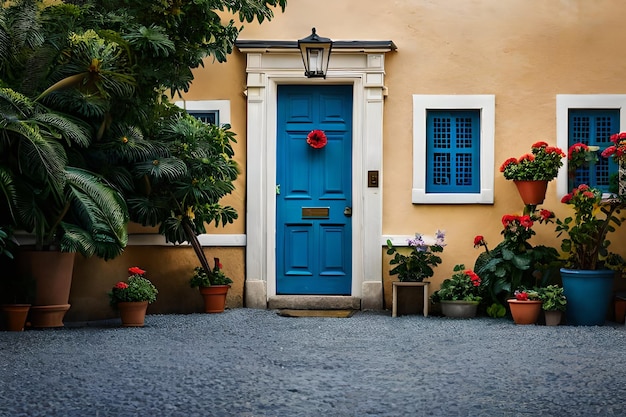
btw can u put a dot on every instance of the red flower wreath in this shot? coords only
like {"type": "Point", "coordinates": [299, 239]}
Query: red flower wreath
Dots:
{"type": "Point", "coordinates": [316, 139]}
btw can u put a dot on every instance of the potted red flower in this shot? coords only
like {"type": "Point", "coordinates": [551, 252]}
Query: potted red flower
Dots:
{"type": "Point", "coordinates": [132, 297]}
{"type": "Point", "coordinates": [460, 294]}
{"type": "Point", "coordinates": [525, 307]}
{"type": "Point", "coordinates": [532, 171]}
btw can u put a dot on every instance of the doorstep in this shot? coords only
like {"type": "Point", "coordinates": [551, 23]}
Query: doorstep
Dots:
{"type": "Point", "coordinates": [314, 302]}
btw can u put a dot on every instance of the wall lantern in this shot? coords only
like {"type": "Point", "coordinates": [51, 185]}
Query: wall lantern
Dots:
{"type": "Point", "coordinates": [315, 52]}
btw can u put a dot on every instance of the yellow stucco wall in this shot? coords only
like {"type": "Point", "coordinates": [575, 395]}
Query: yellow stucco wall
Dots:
{"type": "Point", "coordinates": [524, 52]}
{"type": "Point", "coordinates": [169, 269]}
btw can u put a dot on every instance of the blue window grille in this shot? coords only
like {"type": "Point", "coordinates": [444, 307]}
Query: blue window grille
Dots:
{"type": "Point", "coordinates": [594, 128]}
{"type": "Point", "coordinates": [210, 117]}
{"type": "Point", "coordinates": [453, 151]}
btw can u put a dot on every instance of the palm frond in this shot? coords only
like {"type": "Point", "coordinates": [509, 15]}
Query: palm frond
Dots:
{"type": "Point", "coordinates": [148, 211]}
{"type": "Point", "coordinates": [73, 132]}
{"type": "Point", "coordinates": [151, 40]}
{"type": "Point", "coordinates": [7, 189]}
{"type": "Point", "coordinates": [162, 169]}
{"type": "Point", "coordinates": [100, 215]}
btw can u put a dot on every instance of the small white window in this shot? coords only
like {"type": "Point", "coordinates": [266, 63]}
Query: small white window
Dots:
{"type": "Point", "coordinates": [453, 149]}
{"type": "Point", "coordinates": [209, 111]}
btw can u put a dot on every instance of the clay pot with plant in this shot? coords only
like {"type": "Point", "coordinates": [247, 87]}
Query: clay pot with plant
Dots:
{"type": "Point", "coordinates": [213, 287]}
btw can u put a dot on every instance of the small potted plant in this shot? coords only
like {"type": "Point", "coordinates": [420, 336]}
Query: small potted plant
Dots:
{"type": "Point", "coordinates": [532, 171]}
{"type": "Point", "coordinates": [526, 306]}
{"type": "Point", "coordinates": [17, 290]}
{"type": "Point", "coordinates": [213, 287]}
{"type": "Point", "coordinates": [413, 266]}
{"type": "Point", "coordinates": [132, 297]}
{"type": "Point", "coordinates": [419, 263]}
{"type": "Point", "coordinates": [459, 295]}
{"type": "Point", "coordinates": [554, 303]}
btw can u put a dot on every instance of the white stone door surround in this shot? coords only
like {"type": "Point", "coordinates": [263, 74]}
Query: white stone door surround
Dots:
{"type": "Point", "coordinates": [269, 64]}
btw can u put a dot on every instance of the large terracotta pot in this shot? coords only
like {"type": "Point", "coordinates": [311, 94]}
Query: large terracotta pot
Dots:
{"type": "Point", "coordinates": [532, 192]}
{"type": "Point", "coordinates": [525, 312]}
{"type": "Point", "coordinates": [459, 309]}
{"type": "Point", "coordinates": [214, 298]}
{"type": "Point", "coordinates": [133, 313]}
{"type": "Point", "coordinates": [588, 295]}
{"type": "Point", "coordinates": [52, 272]}
{"type": "Point", "coordinates": [15, 316]}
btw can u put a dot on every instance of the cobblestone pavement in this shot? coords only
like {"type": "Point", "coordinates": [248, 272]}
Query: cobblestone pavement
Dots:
{"type": "Point", "coordinates": [256, 363]}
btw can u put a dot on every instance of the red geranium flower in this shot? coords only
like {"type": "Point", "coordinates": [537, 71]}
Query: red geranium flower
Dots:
{"type": "Point", "coordinates": [508, 219]}
{"type": "Point", "coordinates": [540, 144]}
{"type": "Point", "coordinates": [546, 215]}
{"type": "Point", "coordinates": [121, 285]}
{"type": "Point", "coordinates": [521, 295]}
{"type": "Point", "coordinates": [316, 139]}
{"type": "Point", "coordinates": [507, 163]}
{"type": "Point", "coordinates": [526, 157]}
{"type": "Point", "coordinates": [478, 240]}
{"type": "Point", "coordinates": [135, 270]}
{"type": "Point", "coordinates": [526, 221]}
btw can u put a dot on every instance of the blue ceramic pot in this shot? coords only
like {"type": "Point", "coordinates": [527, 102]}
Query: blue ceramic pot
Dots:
{"type": "Point", "coordinates": [588, 295]}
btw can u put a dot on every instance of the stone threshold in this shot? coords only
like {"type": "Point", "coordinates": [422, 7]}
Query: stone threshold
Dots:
{"type": "Point", "coordinates": [314, 302]}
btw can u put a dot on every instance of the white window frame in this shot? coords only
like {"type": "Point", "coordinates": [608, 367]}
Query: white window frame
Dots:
{"type": "Point", "coordinates": [222, 107]}
{"type": "Point", "coordinates": [486, 104]}
{"type": "Point", "coordinates": [565, 102]}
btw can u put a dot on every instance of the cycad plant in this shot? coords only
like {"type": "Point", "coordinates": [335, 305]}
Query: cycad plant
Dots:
{"type": "Point", "coordinates": [46, 190]}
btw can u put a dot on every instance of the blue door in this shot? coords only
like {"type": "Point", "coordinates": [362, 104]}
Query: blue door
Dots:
{"type": "Point", "coordinates": [314, 191]}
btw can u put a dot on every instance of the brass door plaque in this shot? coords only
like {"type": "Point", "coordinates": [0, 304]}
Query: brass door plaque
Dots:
{"type": "Point", "coordinates": [315, 212]}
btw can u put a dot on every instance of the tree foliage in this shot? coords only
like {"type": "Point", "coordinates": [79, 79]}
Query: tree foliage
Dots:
{"type": "Point", "coordinates": [87, 84]}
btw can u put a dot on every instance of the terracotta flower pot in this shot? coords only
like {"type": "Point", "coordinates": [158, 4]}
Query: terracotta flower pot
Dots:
{"type": "Point", "coordinates": [532, 192]}
{"type": "Point", "coordinates": [214, 298]}
{"type": "Point", "coordinates": [525, 312]}
{"type": "Point", "coordinates": [133, 313]}
{"type": "Point", "coordinates": [52, 272]}
{"type": "Point", "coordinates": [15, 316]}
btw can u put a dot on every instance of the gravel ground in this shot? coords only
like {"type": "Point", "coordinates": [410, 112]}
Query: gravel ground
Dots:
{"type": "Point", "coordinates": [256, 363]}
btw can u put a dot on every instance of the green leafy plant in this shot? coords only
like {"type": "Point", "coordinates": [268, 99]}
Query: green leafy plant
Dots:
{"type": "Point", "coordinates": [215, 277]}
{"type": "Point", "coordinates": [496, 310]}
{"type": "Point", "coordinates": [586, 244]}
{"type": "Point", "coordinates": [542, 164]}
{"type": "Point", "coordinates": [553, 298]}
{"type": "Point", "coordinates": [514, 263]}
{"type": "Point", "coordinates": [138, 288]}
{"type": "Point", "coordinates": [464, 285]}
{"type": "Point", "coordinates": [419, 263]}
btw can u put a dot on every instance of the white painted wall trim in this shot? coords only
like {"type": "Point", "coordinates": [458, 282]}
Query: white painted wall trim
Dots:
{"type": "Point", "coordinates": [401, 240]}
{"type": "Point", "coordinates": [152, 239]}
{"type": "Point", "coordinates": [486, 103]}
{"type": "Point", "coordinates": [564, 102]}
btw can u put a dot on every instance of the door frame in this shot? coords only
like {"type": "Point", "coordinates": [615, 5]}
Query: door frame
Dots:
{"type": "Point", "coordinates": [364, 70]}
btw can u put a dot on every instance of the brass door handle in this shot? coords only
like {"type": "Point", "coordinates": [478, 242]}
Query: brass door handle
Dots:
{"type": "Point", "coordinates": [347, 212]}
